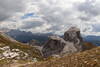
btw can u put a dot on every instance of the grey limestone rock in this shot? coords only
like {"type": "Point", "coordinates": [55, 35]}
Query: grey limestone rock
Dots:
{"type": "Point", "coordinates": [71, 43]}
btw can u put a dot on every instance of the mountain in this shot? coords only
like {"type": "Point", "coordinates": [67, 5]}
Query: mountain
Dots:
{"type": "Point", "coordinates": [65, 48]}
{"type": "Point", "coordinates": [93, 39]}
{"type": "Point", "coordinates": [25, 37]}
{"type": "Point", "coordinates": [11, 50]}
{"type": "Point", "coordinates": [71, 42]}
{"type": "Point", "coordinates": [72, 37]}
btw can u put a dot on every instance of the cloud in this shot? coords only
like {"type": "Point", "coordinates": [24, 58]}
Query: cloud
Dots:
{"type": "Point", "coordinates": [52, 15]}
{"type": "Point", "coordinates": [91, 9]}
{"type": "Point", "coordinates": [60, 14]}
{"type": "Point", "coordinates": [10, 7]}
{"type": "Point", "coordinates": [31, 24]}
{"type": "Point", "coordinates": [96, 27]}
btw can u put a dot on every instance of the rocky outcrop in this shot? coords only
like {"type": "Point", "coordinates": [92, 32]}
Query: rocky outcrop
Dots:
{"type": "Point", "coordinates": [53, 46]}
{"type": "Point", "coordinates": [8, 53]}
{"type": "Point", "coordinates": [71, 43]}
{"type": "Point", "coordinates": [73, 35]}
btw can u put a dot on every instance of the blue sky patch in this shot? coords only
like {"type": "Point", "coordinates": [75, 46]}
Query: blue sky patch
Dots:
{"type": "Point", "coordinates": [28, 15]}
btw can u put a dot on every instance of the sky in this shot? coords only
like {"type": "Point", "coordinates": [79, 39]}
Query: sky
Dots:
{"type": "Point", "coordinates": [56, 16]}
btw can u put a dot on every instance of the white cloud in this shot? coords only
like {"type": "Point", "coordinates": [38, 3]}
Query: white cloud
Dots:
{"type": "Point", "coordinates": [53, 15]}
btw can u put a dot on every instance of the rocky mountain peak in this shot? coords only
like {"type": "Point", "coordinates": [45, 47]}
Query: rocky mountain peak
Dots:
{"type": "Point", "coordinates": [72, 42]}
{"type": "Point", "coordinates": [74, 29]}
{"type": "Point", "coordinates": [73, 35]}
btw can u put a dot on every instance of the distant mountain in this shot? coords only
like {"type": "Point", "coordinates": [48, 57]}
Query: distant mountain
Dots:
{"type": "Point", "coordinates": [25, 37]}
{"type": "Point", "coordinates": [93, 39]}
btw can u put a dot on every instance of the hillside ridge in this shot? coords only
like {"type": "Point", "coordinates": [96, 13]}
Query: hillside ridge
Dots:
{"type": "Point", "coordinates": [88, 58]}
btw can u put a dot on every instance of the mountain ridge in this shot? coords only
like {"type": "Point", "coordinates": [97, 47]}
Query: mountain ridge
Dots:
{"type": "Point", "coordinates": [54, 48]}
{"type": "Point", "coordinates": [26, 37]}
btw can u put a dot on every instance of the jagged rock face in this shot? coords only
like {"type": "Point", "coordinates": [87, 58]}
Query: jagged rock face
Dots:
{"type": "Point", "coordinates": [71, 43]}
{"type": "Point", "coordinates": [73, 35]}
{"type": "Point", "coordinates": [54, 45]}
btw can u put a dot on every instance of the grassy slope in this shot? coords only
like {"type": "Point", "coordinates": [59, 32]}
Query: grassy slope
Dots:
{"type": "Point", "coordinates": [4, 41]}
{"type": "Point", "coordinates": [89, 58]}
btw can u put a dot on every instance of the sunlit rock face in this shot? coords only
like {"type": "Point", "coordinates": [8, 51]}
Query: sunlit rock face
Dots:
{"type": "Point", "coordinates": [71, 43]}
